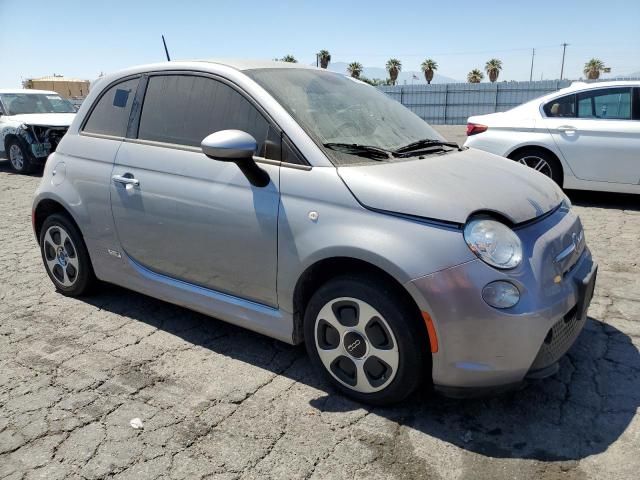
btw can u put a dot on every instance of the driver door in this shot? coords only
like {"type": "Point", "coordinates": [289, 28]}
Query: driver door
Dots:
{"type": "Point", "coordinates": [186, 216]}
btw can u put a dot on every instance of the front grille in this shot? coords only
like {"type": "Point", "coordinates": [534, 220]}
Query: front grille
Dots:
{"type": "Point", "coordinates": [559, 339]}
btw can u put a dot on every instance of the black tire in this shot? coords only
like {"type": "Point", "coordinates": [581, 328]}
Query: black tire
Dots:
{"type": "Point", "coordinates": [531, 157]}
{"type": "Point", "coordinates": [400, 316]}
{"type": "Point", "coordinates": [76, 252]}
{"type": "Point", "coordinates": [26, 165]}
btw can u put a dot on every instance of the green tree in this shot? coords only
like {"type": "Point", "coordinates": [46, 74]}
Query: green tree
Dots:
{"type": "Point", "coordinates": [394, 66]}
{"type": "Point", "coordinates": [325, 58]}
{"type": "Point", "coordinates": [374, 81]}
{"type": "Point", "coordinates": [429, 66]}
{"type": "Point", "coordinates": [593, 68]}
{"type": "Point", "coordinates": [355, 69]}
{"type": "Point", "coordinates": [289, 59]}
{"type": "Point", "coordinates": [475, 76]}
{"type": "Point", "coordinates": [493, 68]}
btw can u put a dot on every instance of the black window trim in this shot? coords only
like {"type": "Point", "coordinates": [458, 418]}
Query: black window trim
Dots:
{"type": "Point", "coordinates": [97, 100]}
{"type": "Point", "coordinates": [589, 90]}
{"type": "Point", "coordinates": [635, 103]}
{"type": "Point", "coordinates": [136, 113]}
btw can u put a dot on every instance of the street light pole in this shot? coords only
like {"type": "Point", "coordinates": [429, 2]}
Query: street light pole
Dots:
{"type": "Point", "coordinates": [564, 49]}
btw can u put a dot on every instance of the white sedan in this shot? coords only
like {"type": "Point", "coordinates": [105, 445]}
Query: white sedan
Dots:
{"type": "Point", "coordinates": [586, 136]}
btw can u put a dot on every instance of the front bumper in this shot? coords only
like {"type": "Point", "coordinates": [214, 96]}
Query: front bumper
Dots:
{"type": "Point", "coordinates": [483, 349]}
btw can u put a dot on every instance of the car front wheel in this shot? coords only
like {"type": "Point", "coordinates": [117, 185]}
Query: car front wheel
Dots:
{"type": "Point", "coordinates": [19, 157]}
{"type": "Point", "coordinates": [367, 339]}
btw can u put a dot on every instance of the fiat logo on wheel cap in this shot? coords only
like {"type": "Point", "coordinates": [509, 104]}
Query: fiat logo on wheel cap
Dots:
{"type": "Point", "coordinates": [355, 344]}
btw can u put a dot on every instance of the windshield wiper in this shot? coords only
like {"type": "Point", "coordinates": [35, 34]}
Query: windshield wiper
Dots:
{"type": "Point", "coordinates": [361, 150]}
{"type": "Point", "coordinates": [424, 144]}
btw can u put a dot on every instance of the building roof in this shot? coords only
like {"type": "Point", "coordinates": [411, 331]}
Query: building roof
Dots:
{"type": "Point", "coordinates": [27, 90]}
{"type": "Point", "coordinates": [57, 78]}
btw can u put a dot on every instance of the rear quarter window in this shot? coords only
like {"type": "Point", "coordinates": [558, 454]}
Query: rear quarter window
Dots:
{"type": "Point", "coordinates": [110, 114]}
{"type": "Point", "coordinates": [561, 107]}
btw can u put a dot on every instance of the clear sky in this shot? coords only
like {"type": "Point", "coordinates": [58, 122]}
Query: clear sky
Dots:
{"type": "Point", "coordinates": [83, 38]}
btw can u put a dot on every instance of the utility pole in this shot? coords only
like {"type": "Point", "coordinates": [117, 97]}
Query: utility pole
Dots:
{"type": "Point", "coordinates": [564, 49]}
{"type": "Point", "coordinates": [533, 54]}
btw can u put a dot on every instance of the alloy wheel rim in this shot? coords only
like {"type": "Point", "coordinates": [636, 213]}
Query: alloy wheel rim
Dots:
{"type": "Point", "coordinates": [356, 345]}
{"type": "Point", "coordinates": [15, 155]}
{"type": "Point", "coordinates": [537, 163]}
{"type": "Point", "coordinates": [61, 257]}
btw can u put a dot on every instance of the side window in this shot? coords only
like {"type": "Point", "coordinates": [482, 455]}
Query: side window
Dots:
{"type": "Point", "coordinates": [561, 107]}
{"type": "Point", "coordinates": [110, 115]}
{"type": "Point", "coordinates": [184, 109]}
{"type": "Point", "coordinates": [290, 154]}
{"type": "Point", "coordinates": [613, 103]}
{"type": "Point", "coordinates": [636, 103]}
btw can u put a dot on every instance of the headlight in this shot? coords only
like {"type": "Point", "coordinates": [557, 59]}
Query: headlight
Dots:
{"type": "Point", "coordinates": [494, 243]}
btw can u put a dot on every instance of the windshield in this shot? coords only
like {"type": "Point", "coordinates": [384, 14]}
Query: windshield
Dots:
{"type": "Point", "coordinates": [21, 103]}
{"type": "Point", "coordinates": [335, 109]}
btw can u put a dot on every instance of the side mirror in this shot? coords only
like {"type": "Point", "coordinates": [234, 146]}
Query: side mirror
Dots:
{"type": "Point", "coordinates": [230, 146]}
{"type": "Point", "coordinates": [238, 147]}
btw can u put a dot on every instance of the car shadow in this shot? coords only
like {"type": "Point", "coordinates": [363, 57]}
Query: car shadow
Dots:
{"type": "Point", "coordinates": [5, 167]}
{"type": "Point", "coordinates": [579, 412]}
{"type": "Point", "coordinates": [624, 201]}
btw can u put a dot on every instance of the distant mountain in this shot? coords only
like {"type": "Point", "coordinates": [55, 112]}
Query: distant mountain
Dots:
{"type": "Point", "coordinates": [377, 72]}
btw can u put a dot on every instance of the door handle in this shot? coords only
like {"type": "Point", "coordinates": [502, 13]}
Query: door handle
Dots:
{"type": "Point", "coordinates": [566, 128]}
{"type": "Point", "coordinates": [128, 182]}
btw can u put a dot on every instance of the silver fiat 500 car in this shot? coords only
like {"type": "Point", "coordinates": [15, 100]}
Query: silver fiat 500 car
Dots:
{"type": "Point", "coordinates": [310, 207]}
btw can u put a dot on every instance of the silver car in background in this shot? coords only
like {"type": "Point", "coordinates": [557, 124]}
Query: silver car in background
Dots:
{"type": "Point", "coordinates": [310, 207]}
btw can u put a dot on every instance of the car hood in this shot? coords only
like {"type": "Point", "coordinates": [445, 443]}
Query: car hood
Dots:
{"type": "Point", "coordinates": [450, 187]}
{"type": "Point", "coordinates": [45, 119]}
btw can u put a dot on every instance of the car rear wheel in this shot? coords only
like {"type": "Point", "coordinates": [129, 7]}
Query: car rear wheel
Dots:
{"type": "Point", "coordinates": [19, 157]}
{"type": "Point", "coordinates": [541, 161]}
{"type": "Point", "coordinates": [65, 256]}
{"type": "Point", "coordinates": [367, 339]}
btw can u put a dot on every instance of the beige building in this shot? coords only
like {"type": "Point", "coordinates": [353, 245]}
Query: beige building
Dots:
{"type": "Point", "coordinates": [66, 87]}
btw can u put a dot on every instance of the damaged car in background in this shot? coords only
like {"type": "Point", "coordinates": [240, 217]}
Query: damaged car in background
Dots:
{"type": "Point", "coordinates": [32, 122]}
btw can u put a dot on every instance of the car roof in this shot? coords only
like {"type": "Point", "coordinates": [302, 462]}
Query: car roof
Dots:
{"type": "Point", "coordinates": [610, 83]}
{"type": "Point", "coordinates": [576, 87]}
{"type": "Point", "coordinates": [211, 65]}
{"type": "Point", "coordinates": [249, 64]}
{"type": "Point", "coordinates": [27, 90]}
{"type": "Point", "coordinates": [583, 86]}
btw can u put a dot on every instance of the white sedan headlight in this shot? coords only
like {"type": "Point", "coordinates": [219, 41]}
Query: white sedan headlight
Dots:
{"type": "Point", "coordinates": [494, 243]}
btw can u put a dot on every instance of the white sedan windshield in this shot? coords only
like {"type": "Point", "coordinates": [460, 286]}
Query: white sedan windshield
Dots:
{"type": "Point", "coordinates": [26, 103]}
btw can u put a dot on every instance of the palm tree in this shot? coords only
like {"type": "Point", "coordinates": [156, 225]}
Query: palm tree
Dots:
{"type": "Point", "coordinates": [593, 68]}
{"type": "Point", "coordinates": [493, 68]}
{"type": "Point", "coordinates": [289, 58]}
{"type": "Point", "coordinates": [355, 69]}
{"type": "Point", "coordinates": [428, 67]}
{"type": "Point", "coordinates": [393, 67]}
{"type": "Point", "coordinates": [475, 76]}
{"type": "Point", "coordinates": [325, 58]}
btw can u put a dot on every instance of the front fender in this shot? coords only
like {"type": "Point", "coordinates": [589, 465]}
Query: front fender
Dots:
{"type": "Point", "coordinates": [404, 248]}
